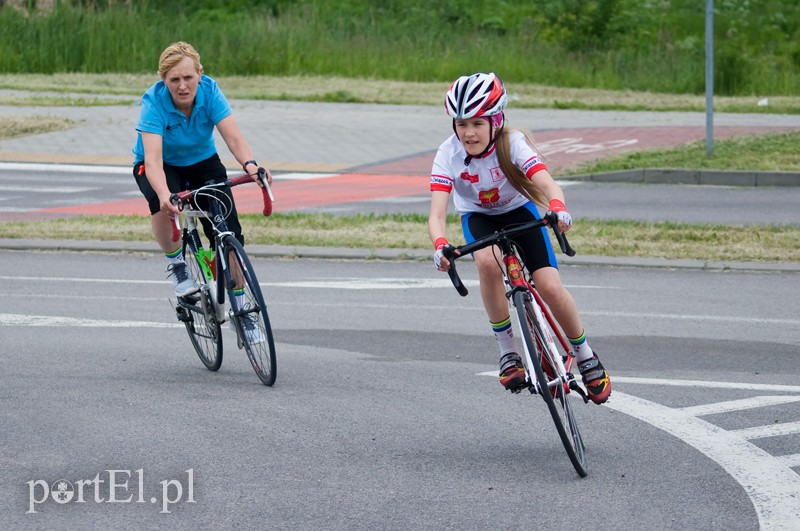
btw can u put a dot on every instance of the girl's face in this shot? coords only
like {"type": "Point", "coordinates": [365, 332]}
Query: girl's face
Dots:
{"type": "Point", "coordinates": [182, 80]}
{"type": "Point", "coordinates": [474, 134]}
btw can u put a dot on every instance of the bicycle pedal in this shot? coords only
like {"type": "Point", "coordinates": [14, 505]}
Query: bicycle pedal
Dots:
{"type": "Point", "coordinates": [190, 299]}
{"type": "Point", "coordinates": [578, 389]}
{"type": "Point", "coordinates": [183, 315]}
{"type": "Point", "coordinates": [521, 387]}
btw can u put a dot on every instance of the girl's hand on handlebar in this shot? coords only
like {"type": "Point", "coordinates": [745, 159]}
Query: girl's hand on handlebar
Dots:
{"type": "Point", "coordinates": [441, 261]}
{"type": "Point", "coordinates": [564, 217]}
{"type": "Point", "coordinates": [564, 221]}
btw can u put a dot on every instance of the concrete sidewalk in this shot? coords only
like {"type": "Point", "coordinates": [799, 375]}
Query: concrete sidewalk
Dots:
{"type": "Point", "coordinates": [381, 139]}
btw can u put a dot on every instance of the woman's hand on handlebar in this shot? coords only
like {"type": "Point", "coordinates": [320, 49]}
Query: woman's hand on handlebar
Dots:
{"type": "Point", "coordinates": [167, 207]}
{"type": "Point", "coordinates": [262, 173]}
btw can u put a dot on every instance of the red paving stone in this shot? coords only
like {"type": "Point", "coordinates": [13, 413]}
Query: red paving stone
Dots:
{"type": "Point", "coordinates": [289, 195]}
{"type": "Point", "coordinates": [568, 149]}
{"type": "Point", "coordinates": [564, 149]}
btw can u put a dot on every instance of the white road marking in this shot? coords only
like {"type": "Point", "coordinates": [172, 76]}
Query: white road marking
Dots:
{"type": "Point", "coordinates": [340, 283]}
{"type": "Point", "coordinates": [127, 170]}
{"type": "Point", "coordinates": [48, 189]}
{"type": "Point", "coordinates": [770, 484]}
{"type": "Point", "coordinates": [89, 280]}
{"type": "Point", "coordinates": [768, 480]}
{"type": "Point", "coordinates": [739, 405]}
{"type": "Point", "coordinates": [74, 168]}
{"type": "Point", "coordinates": [709, 384]}
{"type": "Point", "coordinates": [791, 460]}
{"type": "Point", "coordinates": [770, 430]}
{"type": "Point", "coordinates": [12, 319]}
{"type": "Point", "coordinates": [96, 168]}
{"type": "Point", "coordinates": [371, 283]}
{"type": "Point", "coordinates": [683, 317]}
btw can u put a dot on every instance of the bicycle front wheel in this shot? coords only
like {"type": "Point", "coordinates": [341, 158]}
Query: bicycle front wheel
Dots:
{"type": "Point", "coordinates": [199, 314]}
{"type": "Point", "coordinates": [249, 312]}
{"type": "Point", "coordinates": [548, 372]}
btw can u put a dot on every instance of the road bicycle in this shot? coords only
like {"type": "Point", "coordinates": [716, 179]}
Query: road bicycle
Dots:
{"type": "Point", "coordinates": [223, 269]}
{"type": "Point", "coordinates": [548, 358]}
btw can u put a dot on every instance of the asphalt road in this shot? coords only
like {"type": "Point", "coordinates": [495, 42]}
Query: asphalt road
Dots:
{"type": "Point", "coordinates": [387, 413]}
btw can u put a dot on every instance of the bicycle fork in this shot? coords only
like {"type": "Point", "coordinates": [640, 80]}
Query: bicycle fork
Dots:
{"type": "Point", "coordinates": [533, 383]}
{"type": "Point", "coordinates": [515, 280]}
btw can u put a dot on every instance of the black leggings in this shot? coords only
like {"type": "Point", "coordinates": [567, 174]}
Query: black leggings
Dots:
{"type": "Point", "coordinates": [181, 178]}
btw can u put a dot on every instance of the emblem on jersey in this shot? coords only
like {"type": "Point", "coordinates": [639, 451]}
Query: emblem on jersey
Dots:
{"type": "Point", "coordinates": [489, 196]}
{"type": "Point", "coordinates": [467, 177]}
{"type": "Point", "coordinates": [497, 174]}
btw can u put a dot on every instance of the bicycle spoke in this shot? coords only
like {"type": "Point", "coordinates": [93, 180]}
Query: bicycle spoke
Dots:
{"type": "Point", "coordinates": [546, 369]}
{"type": "Point", "coordinates": [201, 322]}
{"type": "Point", "coordinates": [250, 313]}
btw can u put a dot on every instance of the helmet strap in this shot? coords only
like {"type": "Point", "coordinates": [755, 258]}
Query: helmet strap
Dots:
{"type": "Point", "coordinates": [493, 139]}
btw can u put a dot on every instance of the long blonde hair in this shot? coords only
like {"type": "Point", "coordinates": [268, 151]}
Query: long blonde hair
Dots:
{"type": "Point", "coordinates": [515, 175]}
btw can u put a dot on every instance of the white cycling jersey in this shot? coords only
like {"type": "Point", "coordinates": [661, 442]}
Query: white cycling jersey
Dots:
{"type": "Point", "coordinates": [482, 186]}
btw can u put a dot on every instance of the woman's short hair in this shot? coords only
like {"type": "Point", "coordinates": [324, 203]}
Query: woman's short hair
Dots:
{"type": "Point", "coordinates": [174, 54]}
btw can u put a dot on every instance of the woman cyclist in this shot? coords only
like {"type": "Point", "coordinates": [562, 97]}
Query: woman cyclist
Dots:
{"type": "Point", "coordinates": [498, 179]}
{"type": "Point", "coordinates": [175, 149]}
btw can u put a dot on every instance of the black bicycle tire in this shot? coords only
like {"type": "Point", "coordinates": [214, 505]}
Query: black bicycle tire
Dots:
{"type": "Point", "coordinates": [265, 369]}
{"type": "Point", "coordinates": [211, 358]}
{"type": "Point", "coordinates": [569, 434]}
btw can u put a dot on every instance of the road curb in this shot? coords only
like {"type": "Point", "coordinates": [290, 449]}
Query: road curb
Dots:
{"type": "Point", "coordinates": [751, 178]}
{"type": "Point", "coordinates": [700, 177]}
{"type": "Point", "coordinates": [344, 253]}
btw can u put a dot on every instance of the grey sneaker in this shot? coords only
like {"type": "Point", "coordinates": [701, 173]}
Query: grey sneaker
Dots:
{"type": "Point", "coordinates": [181, 281]}
{"type": "Point", "coordinates": [252, 332]}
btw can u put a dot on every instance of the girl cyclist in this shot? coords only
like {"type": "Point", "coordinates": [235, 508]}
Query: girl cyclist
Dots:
{"type": "Point", "coordinates": [498, 179]}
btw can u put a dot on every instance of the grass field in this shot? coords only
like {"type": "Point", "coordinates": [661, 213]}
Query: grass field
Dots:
{"type": "Point", "coordinates": [94, 89]}
{"type": "Point", "coordinates": [402, 231]}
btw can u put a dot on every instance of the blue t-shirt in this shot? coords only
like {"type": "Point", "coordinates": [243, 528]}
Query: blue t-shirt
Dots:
{"type": "Point", "coordinates": [186, 141]}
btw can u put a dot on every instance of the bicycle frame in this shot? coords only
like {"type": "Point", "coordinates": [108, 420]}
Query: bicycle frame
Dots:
{"type": "Point", "coordinates": [547, 373]}
{"type": "Point", "coordinates": [514, 279]}
{"type": "Point", "coordinates": [215, 272]}
{"type": "Point", "coordinates": [224, 268]}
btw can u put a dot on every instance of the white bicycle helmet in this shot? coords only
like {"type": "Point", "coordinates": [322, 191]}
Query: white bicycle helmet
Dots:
{"type": "Point", "coordinates": [476, 96]}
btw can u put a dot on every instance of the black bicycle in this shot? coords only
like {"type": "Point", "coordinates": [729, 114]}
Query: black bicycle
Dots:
{"type": "Point", "coordinates": [548, 357]}
{"type": "Point", "coordinates": [223, 269]}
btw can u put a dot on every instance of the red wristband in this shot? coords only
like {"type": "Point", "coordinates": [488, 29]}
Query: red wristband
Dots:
{"type": "Point", "coordinates": [556, 206]}
{"type": "Point", "coordinates": [439, 243]}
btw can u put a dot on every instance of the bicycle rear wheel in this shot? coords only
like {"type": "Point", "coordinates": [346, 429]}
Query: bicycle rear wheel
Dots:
{"type": "Point", "coordinates": [249, 313]}
{"type": "Point", "coordinates": [198, 314]}
{"type": "Point", "coordinates": [547, 370]}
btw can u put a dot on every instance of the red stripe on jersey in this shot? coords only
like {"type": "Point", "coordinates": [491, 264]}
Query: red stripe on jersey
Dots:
{"type": "Point", "coordinates": [535, 168]}
{"type": "Point", "coordinates": [441, 183]}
